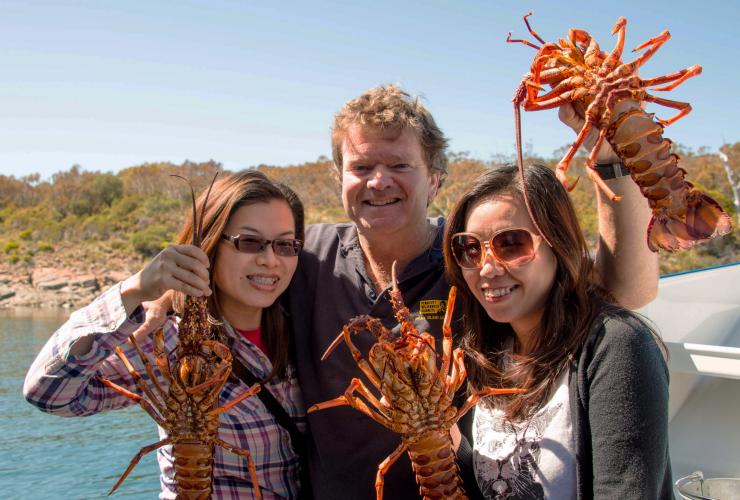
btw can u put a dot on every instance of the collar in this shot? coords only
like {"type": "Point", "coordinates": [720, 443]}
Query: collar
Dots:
{"type": "Point", "coordinates": [349, 241]}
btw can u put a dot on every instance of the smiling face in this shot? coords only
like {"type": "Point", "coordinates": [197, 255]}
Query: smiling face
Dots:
{"type": "Point", "coordinates": [245, 283]}
{"type": "Point", "coordinates": [517, 295]}
{"type": "Point", "coordinates": [386, 185]}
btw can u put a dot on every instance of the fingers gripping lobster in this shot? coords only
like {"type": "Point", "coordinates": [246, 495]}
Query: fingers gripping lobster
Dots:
{"type": "Point", "coordinates": [609, 93]}
{"type": "Point", "coordinates": [416, 395]}
{"type": "Point", "coordinates": [187, 409]}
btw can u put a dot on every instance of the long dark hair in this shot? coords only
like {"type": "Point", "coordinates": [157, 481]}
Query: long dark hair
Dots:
{"type": "Point", "coordinates": [227, 196]}
{"type": "Point", "coordinates": [575, 300]}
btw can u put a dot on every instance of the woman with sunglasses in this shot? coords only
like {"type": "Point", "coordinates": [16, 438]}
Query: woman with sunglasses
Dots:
{"type": "Point", "coordinates": [252, 235]}
{"type": "Point", "coordinates": [593, 420]}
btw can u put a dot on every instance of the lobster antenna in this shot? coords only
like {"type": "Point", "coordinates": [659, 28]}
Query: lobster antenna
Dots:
{"type": "Point", "coordinates": [192, 197]}
{"type": "Point", "coordinates": [198, 224]}
{"type": "Point", "coordinates": [518, 98]}
{"type": "Point", "coordinates": [203, 211]}
{"type": "Point", "coordinates": [394, 282]}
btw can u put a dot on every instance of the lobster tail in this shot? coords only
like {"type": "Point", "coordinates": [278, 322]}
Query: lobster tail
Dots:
{"type": "Point", "coordinates": [670, 234]}
{"type": "Point", "coordinates": [435, 468]}
{"type": "Point", "coordinates": [193, 470]}
{"type": "Point", "coordinates": [682, 215]}
{"type": "Point", "coordinates": [705, 218]}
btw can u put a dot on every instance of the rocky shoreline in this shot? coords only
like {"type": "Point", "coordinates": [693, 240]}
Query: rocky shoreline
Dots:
{"type": "Point", "coordinates": [50, 287]}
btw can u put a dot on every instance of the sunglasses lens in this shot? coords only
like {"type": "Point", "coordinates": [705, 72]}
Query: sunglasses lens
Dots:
{"type": "Point", "coordinates": [287, 248]}
{"type": "Point", "coordinates": [467, 250]}
{"type": "Point", "coordinates": [250, 244]}
{"type": "Point", "coordinates": [514, 247]}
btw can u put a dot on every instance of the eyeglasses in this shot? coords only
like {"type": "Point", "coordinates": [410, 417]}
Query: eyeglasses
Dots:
{"type": "Point", "coordinates": [247, 243]}
{"type": "Point", "coordinates": [510, 247]}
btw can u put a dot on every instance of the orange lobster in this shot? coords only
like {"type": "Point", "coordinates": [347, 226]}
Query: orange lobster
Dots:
{"type": "Point", "coordinates": [416, 395]}
{"type": "Point", "coordinates": [188, 410]}
{"type": "Point", "coordinates": [579, 72]}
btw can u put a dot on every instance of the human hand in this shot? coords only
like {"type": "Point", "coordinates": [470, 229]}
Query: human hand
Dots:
{"type": "Point", "coordinates": [570, 116]}
{"type": "Point", "coordinates": [183, 268]}
{"type": "Point", "coordinates": [156, 314]}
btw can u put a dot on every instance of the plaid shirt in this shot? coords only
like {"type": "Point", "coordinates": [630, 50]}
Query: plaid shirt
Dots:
{"type": "Point", "coordinates": [66, 385]}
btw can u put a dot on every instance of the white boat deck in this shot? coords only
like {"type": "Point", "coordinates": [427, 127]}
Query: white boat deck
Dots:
{"type": "Point", "coordinates": [698, 316]}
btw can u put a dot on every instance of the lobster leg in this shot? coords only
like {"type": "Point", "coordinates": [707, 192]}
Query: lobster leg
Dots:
{"type": "Point", "coordinates": [488, 391]}
{"type": "Point", "coordinates": [348, 399]}
{"type": "Point", "coordinates": [555, 102]}
{"type": "Point", "coordinates": [160, 357]}
{"type": "Point", "coordinates": [566, 85]}
{"type": "Point", "coordinates": [176, 390]}
{"type": "Point", "coordinates": [447, 333]}
{"type": "Point", "coordinates": [654, 43]}
{"type": "Point", "coordinates": [135, 460]}
{"type": "Point", "coordinates": [677, 78]}
{"type": "Point", "coordinates": [593, 51]}
{"type": "Point", "coordinates": [612, 60]}
{"type": "Point", "coordinates": [383, 468]}
{"type": "Point", "coordinates": [148, 407]}
{"type": "Point", "coordinates": [530, 29]}
{"type": "Point", "coordinates": [562, 167]}
{"type": "Point", "coordinates": [143, 387]}
{"type": "Point", "coordinates": [683, 107]}
{"type": "Point", "coordinates": [593, 174]}
{"type": "Point", "coordinates": [148, 367]}
{"type": "Point", "coordinates": [531, 32]}
{"type": "Point", "coordinates": [250, 464]}
{"type": "Point", "coordinates": [458, 373]}
{"type": "Point", "coordinates": [246, 394]}
{"type": "Point", "coordinates": [220, 374]}
{"type": "Point", "coordinates": [519, 40]}
{"type": "Point", "coordinates": [366, 368]}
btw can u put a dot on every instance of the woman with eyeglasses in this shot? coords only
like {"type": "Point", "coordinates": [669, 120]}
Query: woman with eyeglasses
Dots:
{"type": "Point", "coordinates": [251, 237]}
{"type": "Point", "coordinates": [593, 420]}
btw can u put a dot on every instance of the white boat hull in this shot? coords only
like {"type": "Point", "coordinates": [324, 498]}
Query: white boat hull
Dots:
{"type": "Point", "coordinates": [698, 316]}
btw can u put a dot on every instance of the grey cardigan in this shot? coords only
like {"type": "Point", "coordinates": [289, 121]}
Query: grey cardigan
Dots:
{"type": "Point", "coordinates": [619, 403]}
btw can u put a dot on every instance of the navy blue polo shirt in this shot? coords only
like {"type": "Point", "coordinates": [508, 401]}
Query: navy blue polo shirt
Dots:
{"type": "Point", "coordinates": [331, 286]}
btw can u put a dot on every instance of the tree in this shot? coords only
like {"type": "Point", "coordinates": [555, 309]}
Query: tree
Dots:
{"type": "Point", "coordinates": [732, 177]}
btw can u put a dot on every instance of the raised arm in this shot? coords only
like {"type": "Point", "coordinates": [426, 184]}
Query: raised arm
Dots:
{"type": "Point", "coordinates": [625, 264]}
{"type": "Point", "coordinates": [64, 378]}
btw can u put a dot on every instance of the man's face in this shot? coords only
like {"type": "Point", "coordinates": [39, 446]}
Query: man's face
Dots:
{"type": "Point", "coordinates": [386, 185]}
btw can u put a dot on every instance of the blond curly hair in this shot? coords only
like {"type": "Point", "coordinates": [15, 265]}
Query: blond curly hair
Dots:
{"type": "Point", "coordinates": [387, 107]}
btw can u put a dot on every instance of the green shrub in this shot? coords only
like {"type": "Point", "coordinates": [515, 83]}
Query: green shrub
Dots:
{"type": "Point", "coordinates": [11, 246]}
{"type": "Point", "coordinates": [44, 246]}
{"type": "Point", "coordinates": [148, 241]}
{"type": "Point", "coordinates": [25, 234]}
{"type": "Point", "coordinates": [13, 259]}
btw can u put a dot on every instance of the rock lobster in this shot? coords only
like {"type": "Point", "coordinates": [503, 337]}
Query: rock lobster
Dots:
{"type": "Point", "coordinates": [416, 395]}
{"type": "Point", "coordinates": [596, 82]}
{"type": "Point", "coordinates": [188, 409]}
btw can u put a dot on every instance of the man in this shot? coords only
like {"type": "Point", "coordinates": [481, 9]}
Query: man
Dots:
{"type": "Point", "coordinates": [390, 158]}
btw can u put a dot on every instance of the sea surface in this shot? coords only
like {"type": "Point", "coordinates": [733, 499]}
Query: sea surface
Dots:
{"type": "Point", "coordinates": [48, 457]}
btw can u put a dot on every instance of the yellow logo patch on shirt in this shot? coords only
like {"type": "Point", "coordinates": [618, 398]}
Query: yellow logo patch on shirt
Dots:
{"type": "Point", "coordinates": [432, 309]}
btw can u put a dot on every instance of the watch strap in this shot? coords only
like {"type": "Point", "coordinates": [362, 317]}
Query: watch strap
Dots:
{"type": "Point", "coordinates": [611, 170]}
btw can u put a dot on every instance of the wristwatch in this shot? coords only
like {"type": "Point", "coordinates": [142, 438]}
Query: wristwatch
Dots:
{"type": "Point", "coordinates": [611, 170]}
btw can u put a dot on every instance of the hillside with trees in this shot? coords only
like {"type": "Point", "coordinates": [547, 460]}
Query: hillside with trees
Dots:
{"type": "Point", "coordinates": [96, 222]}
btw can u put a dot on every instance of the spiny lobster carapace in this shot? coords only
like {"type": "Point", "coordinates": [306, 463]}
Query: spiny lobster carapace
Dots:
{"type": "Point", "coordinates": [579, 72]}
{"type": "Point", "coordinates": [187, 409]}
{"type": "Point", "coordinates": [416, 395]}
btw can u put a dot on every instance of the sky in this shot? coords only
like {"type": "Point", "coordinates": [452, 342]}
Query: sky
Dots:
{"type": "Point", "coordinates": [110, 84]}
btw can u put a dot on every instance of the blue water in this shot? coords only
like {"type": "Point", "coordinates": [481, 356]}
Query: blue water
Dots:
{"type": "Point", "coordinates": [47, 457]}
